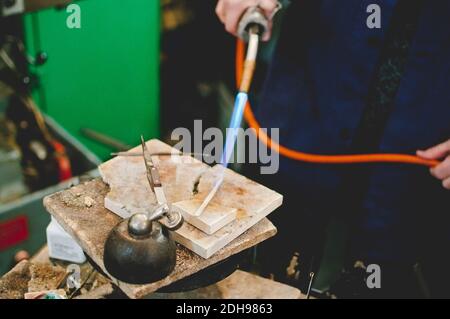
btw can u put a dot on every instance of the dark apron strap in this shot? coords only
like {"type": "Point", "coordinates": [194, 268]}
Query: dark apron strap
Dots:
{"type": "Point", "coordinates": [380, 103]}
{"type": "Point", "coordinates": [388, 75]}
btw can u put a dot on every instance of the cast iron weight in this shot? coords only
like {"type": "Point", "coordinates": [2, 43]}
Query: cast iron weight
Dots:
{"type": "Point", "coordinates": [139, 249]}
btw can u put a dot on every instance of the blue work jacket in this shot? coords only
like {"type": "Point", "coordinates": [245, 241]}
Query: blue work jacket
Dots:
{"type": "Point", "coordinates": [316, 91]}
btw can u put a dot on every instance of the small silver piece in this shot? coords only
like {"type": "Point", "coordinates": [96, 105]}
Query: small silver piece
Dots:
{"type": "Point", "coordinates": [174, 220]}
{"type": "Point", "coordinates": [159, 212]}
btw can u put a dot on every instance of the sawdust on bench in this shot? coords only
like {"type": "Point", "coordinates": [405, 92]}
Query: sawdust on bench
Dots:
{"type": "Point", "coordinates": [15, 284]}
{"type": "Point", "coordinates": [45, 277]}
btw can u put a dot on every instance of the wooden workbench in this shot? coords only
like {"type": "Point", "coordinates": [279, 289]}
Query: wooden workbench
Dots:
{"type": "Point", "coordinates": [239, 285]}
{"type": "Point", "coordinates": [90, 225]}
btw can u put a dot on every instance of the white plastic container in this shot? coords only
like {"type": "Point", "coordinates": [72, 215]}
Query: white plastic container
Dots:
{"type": "Point", "coordinates": [62, 246]}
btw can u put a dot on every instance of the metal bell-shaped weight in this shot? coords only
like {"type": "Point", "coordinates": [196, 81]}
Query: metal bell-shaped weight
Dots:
{"type": "Point", "coordinates": [139, 251]}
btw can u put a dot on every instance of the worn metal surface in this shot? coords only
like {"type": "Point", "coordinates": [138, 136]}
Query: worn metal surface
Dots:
{"type": "Point", "coordinates": [140, 259]}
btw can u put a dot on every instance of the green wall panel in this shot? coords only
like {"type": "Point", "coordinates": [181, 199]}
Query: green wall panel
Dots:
{"type": "Point", "coordinates": [104, 76]}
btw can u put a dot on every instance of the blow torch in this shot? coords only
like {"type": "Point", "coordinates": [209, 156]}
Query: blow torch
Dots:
{"type": "Point", "coordinates": [252, 26]}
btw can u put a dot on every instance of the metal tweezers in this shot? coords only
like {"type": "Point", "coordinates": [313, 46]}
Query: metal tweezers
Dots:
{"type": "Point", "coordinates": [174, 220]}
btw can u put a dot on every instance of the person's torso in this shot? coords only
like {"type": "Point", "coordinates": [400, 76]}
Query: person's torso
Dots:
{"type": "Point", "coordinates": [317, 90]}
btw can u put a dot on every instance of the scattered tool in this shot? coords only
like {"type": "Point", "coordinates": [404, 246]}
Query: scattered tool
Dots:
{"type": "Point", "coordinates": [139, 249]}
{"type": "Point", "coordinates": [104, 139]}
{"type": "Point", "coordinates": [130, 154]}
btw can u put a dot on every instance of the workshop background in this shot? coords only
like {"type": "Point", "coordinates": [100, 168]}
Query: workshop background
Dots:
{"type": "Point", "coordinates": [130, 69]}
{"type": "Point", "coordinates": [71, 97]}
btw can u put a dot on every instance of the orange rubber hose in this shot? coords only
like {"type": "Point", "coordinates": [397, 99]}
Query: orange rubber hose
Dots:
{"type": "Point", "coordinates": [313, 158]}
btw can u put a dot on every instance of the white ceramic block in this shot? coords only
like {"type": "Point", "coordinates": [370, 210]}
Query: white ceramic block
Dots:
{"type": "Point", "coordinates": [62, 246]}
